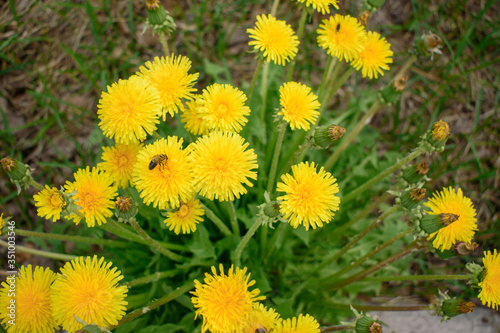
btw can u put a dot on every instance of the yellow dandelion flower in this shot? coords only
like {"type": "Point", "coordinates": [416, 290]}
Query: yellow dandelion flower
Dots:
{"type": "Point", "coordinates": [374, 56]}
{"type": "Point", "coordinates": [169, 181]}
{"type": "Point", "coordinates": [222, 107]}
{"type": "Point", "coordinates": [94, 193]}
{"type": "Point", "coordinates": [275, 38]}
{"type": "Point", "coordinates": [50, 202]}
{"type": "Point", "coordinates": [25, 301]}
{"type": "Point", "coordinates": [341, 36]}
{"type": "Point", "coordinates": [193, 123]}
{"type": "Point", "coordinates": [221, 165]}
{"type": "Point", "coordinates": [224, 301]}
{"type": "Point", "coordinates": [119, 161]}
{"type": "Point", "coordinates": [261, 318]}
{"type": "Point", "coordinates": [88, 288]}
{"type": "Point", "coordinates": [2, 222]}
{"type": "Point", "coordinates": [490, 285]}
{"type": "Point", "coordinates": [301, 324]}
{"type": "Point", "coordinates": [462, 229]}
{"type": "Point", "coordinates": [322, 6]}
{"type": "Point", "coordinates": [310, 196]}
{"type": "Point", "coordinates": [186, 217]}
{"type": "Point", "coordinates": [170, 76]}
{"type": "Point", "coordinates": [129, 110]}
{"type": "Point", "coordinates": [299, 105]}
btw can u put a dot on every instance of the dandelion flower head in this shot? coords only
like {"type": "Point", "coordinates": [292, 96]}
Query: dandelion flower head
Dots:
{"type": "Point", "coordinates": [275, 38]}
{"type": "Point", "coordinates": [170, 181]}
{"type": "Point", "coordinates": [322, 6]}
{"type": "Point", "coordinates": [88, 288]}
{"type": "Point", "coordinates": [186, 217]}
{"type": "Point", "coordinates": [222, 107]}
{"type": "Point", "coordinates": [95, 193]}
{"type": "Point", "coordinates": [222, 164]}
{"type": "Point", "coordinates": [261, 318]}
{"type": "Point", "coordinates": [224, 301]}
{"type": "Point", "coordinates": [33, 311]}
{"type": "Point", "coordinates": [448, 201]}
{"type": "Point", "coordinates": [169, 75]}
{"type": "Point", "coordinates": [309, 196]}
{"type": "Point", "coordinates": [193, 123]}
{"type": "Point", "coordinates": [119, 161]}
{"type": "Point", "coordinates": [299, 105]}
{"type": "Point", "coordinates": [129, 110]}
{"type": "Point", "coordinates": [341, 36]}
{"type": "Point", "coordinates": [375, 56]}
{"type": "Point", "coordinates": [490, 285]}
{"type": "Point", "coordinates": [50, 203]}
{"type": "Point", "coordinates": [2, 222]}
{"type": "Point", "coordinates": [300, 324]}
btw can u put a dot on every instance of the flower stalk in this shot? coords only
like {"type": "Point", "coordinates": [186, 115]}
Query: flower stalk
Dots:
{"type": "Point", "coordinates": [40, 253]}
{"type": "Point", "coordinates": [254, 78]}
{"type": "Point", "coordinates": [150, 278]}
{"type": "Point", "coordinates": [418, 278]}
{"type": "Point", "coordinates": [70, 238]}
{"type": "Point", "coordinates": [244, 241]}
{"type": "Point", "coordinates": [217, 221]}
{"type": "Point", "coordinates": [277, 149]}
{"type": "Point", "coordinates": [233, 218]}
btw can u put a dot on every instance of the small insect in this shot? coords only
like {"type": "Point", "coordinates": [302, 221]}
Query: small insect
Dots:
{"type": "Point", "coordinates": [160, 159]}
{"type": "Point", "coordinates": [261, 330]}
{"type": "Point", "coordinates": [337, 29]}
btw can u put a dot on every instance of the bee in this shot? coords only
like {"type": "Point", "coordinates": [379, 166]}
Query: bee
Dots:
{"type": "Point", "coordinates": [261, 330]}
{"type": "Point", "coordinates": [337, 29]}
{"type": "Point", "coordinates": [160, 159]}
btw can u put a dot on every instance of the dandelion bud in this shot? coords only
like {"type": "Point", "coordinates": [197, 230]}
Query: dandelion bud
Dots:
{"type": "Point", "coordinates": [414, 173]}
{"type": "Point", "coordinates": [400, 83]}
{"type": "Point", "coordinates": [158, 18]}
{"type": "Point", "coordinates": [422, 168]}
{"type": "Point", "coordinates": [272, 209]}
{"type": "Point", "coordinates": [363, 18]}
{"type": "Point", "coordinates": [411, 198]}
{"type": "Point", "coordinates": [125, 208]}
{"type": "Point", "coordinates": [367, 324]}
{"type": "Point", "coordinates": [324, 136]}
{"type": "Point", "coordinates": [463, 249]}
{"type": "Point", "coordinates": [19, 173]}
{"type": "Point", "coordinates": [8, 164]}
{"type": "Point", "coordinates": [431, 223]}
{"type": "Point", "coordinates": [454, 307]}
{"type": "Point", "coordinates": [440, 131]}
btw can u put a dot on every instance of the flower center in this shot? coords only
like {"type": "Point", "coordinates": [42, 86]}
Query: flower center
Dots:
{"type": "Point", "coordinates": [183, 211]}
{"type": "Point", "coordinates": [222, 110]}
{"type": "Point", "coordinates": [122, 161]}
{"type": "Point", "coordinates": [56, 200]}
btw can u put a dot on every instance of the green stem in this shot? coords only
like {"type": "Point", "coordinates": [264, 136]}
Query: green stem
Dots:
{"type": "Point", "coordinates": [36, 184]}
{"type": "Point", "coordinates": [332, 89]}
{"type": "Point", "coordinates": [76, 239]}
{"type": "Point", "coordinates": [277, 149]}
{"type": "Point", "coordinates": [331, 62]}
{"type": "Point", "coordinates": [164, 44]}
{"type": "Point", "coordinates": [274, 8]}
{"type": "Point", "coordinates": [418, 278]}
{"type": "Point", "coordinates": [217, 221]}
{"type": "Point", "coordinates": [296, 155]}
{"type": "Point", "coordinates": [153, 305]}
{"type": "Point", "coordinates": [333, 258]}
{"type": "Point", "coordinates": [244, 241]}
{"type": "Point", "coordinates": [366, 256]}
{"type": "Point", "coordinates": [300, 31]}
{"type": "Point", "coordinates": [404, 68]}
{"type": "Point", "coordinates": [150, 278]}
{"type": "Point", "coordinates": [278, 233]}
{"type": "Point", "coordinates": [40, 253]}
{"type": "Point", "coordinates": [415, 245]}
{"type": "Point", "coordinates": [353, 134]}
{"type": "Point", "coordinates": [359, 307]}
{"type": "Point", "coordinates": [234, 219]}
{"type": "Point", "coordinates": [263, 94]}
{"type": "Point", "coordinates": [153, 243]}
{"type": "Point", "coordinates": [353, 194]}
{"type": "Point", "coordinates": [254, 78]}
{"type": "Point", "coordinates": [335, 328]}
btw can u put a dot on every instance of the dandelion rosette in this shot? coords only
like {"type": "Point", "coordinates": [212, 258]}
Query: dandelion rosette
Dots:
{"type": "Point", "coordinates": [299, 105]}
{"type": "Point", "coordinates": [193, 123]}
{"type": "Point", "coordinates": [275, 38]}
{"type": "Point", "coordinates": [169, 75]}
{"type": "Point", "coordinates": [450, 202]}
{"type": "Point", "coordinates": [50, 203]}
{"type": "Point", "coordinates": [88, 289]}
{"type": "Point", "coordinates": [309, 196]}
{"type": "Point", "coordinates": [33, 311]}
{"type": "Point", "coordinates": [222, 107]}
{"type": "Point", "coordinates": [261, 318]}
{"type": "Point", "coordinates": [322, 6]}
{"type": "Point", "coordinates": [375, 56]}
{"type": "Point", "coordinates": [302, 324]}
{"type": "Point", "coordinates": [170, 181]}
{"type": "Point", "coordinates": [186, 217]}
{"type": "Point", "coordinates": [224, 301]}
{"type": "Point", "coordinates": [341, 36]}
{"type": "Point", "coordinates": [129, 110]}
{"type": "Point", "coordinates": [119, 161]}
{"type": "Point", "coordinates": [490, 284]}
{"type": "Point", "coordinates": [222, 165]}
{"type": "Point", "coordinates": [94, 194]}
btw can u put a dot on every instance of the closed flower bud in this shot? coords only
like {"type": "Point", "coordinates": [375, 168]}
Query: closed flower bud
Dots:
{"type": "Point", "coordinates": [422, 168]}
{"type": "Point", "coordinates": [363, 18]}
{"type": "Point", "coordinates": [454, 307]}
{"type": "Point", "coordinates": [272, 209]}
{"type": "Point", "coordinates": [440, 131]}
{"type": "Point", "coordinates": [367, 324]}
{"type": "Point", "coordinates": [414, 173]}
{"type": "Point", "coordinates": [158, 18]}
{"type": "Point", "coordinates": [463, 249]}
{"type": "Point", "coordinates": [19, 173]}
{"type": "Point", "coordinates": [125, 208]}
{"type": "Point", "coordinates": [400, 83]}
{"type": "Point", "coordinates": [324, 136]}
{"type": "Point", "coordinates": [411, 198]}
